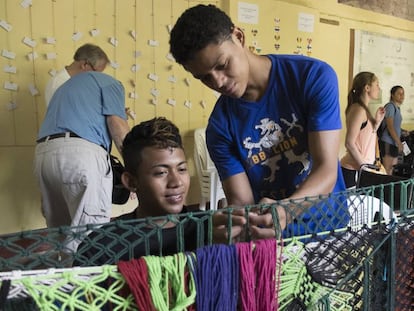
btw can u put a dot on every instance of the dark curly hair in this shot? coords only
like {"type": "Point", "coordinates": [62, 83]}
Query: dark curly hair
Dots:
{"type": "Point", "coordinates": [157, 132]}
{"type": "Point", "coordinates": [196, 28]}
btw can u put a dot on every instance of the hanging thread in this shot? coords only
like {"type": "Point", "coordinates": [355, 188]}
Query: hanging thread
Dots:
{"type": "Point", "coordinates": [136, 275]}
{"type": "Point", "coordinates": [217, 277]}
{"type": "Point", "coordinates": [167, 282]}
{"type": "Point", "coordinates": [247, 300]}
{"type": "Point", "coordinates": [264, 258]}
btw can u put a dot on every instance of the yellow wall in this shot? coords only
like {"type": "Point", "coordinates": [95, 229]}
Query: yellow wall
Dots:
{"type": "Point", "coordinates": [150, 19]}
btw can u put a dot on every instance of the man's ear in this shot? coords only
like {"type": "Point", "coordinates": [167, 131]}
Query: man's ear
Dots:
{"type": "Point", "coordinates": [129, 181]}
{"type": "Point", "coordinates": [239, 35]}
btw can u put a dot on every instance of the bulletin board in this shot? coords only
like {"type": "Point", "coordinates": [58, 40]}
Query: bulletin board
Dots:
{"type": "Point", "coordinates": [392, 61]}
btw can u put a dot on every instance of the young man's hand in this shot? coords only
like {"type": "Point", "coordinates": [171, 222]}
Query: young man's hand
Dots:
{"type": "Point", "coordinates": [261, 223]}
{"type": "Point", "coordinates": [221, 221]}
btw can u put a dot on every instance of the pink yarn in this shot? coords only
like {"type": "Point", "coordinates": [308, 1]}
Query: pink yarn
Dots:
{"type": "Point", "coordinates": [278, 275]}
{"type": "Point", "coordinates": [264, 258]}
{"type": "Point", "coordinates": [247, 280]}
{"type": "Point", "coordinates": [258, 275]}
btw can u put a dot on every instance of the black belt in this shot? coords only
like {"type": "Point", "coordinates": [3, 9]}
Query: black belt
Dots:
{"type": "Point", "coordinates": [54, 136]}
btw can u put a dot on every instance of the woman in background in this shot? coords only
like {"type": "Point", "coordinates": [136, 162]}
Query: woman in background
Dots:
{"type": "Point", "coordinates": [390, 142]}
{"type": "Point", "coordinates": [361, 126]}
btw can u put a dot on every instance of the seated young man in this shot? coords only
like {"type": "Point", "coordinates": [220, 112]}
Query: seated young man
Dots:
{"type": "Point", "coordinates": [156, 170]}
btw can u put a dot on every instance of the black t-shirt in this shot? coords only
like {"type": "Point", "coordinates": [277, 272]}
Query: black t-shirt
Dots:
{"type": "Point", "coordinates": [132, 238]}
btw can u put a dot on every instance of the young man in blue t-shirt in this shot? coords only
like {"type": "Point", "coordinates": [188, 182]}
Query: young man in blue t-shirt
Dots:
{"type": "Point", "coordinates": [274, 133]}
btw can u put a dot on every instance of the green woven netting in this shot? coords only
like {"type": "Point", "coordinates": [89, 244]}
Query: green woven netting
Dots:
{"type": "Point", "coordinates": [345, 268]}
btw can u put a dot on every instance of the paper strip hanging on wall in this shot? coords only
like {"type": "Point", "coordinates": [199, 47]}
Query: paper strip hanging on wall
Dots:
{"type": "Point", "coordinates": [153, 77]}
{"type": "Point", "coordinates": [187, 103]}
{"type": "Point", "coordinates": [172, 79]}
{"type": "Point", "coordinates": [153, 43]}
{"type": "Point", "coordinates": [51, 55]}
{"type": "Point", "coordinates": [171, 102]}
{"type": "Point", "coordinates": [154, 101]}
{"type": "Point", "coordinates": [137, 54]}
{"type": "Point", "coordinates": [29, 42]}
{"type": "Point", "coordinates": [130, 113]}
{"type": "Point", "coordinates": [33, 90]}
{"type": "Point", "coordinates": [50, 40]}
{"type": "Point", "coordinates": [187, 81]}
{"type": "Point", "coordinates": [11, 106]}
{"type": "Point", "coordinates": [76, 36]}
{"type": "Point", "coordinates": [132, 95]}
{"type": "Point", "coordinates": [169, 28]}
{"type": "Point", "coordinates": [95, 32]}
{"type": "Point", "coordinates": [10, 86]}
{"type": "Point", "coordinates": [113, 41]}
{"type": "Point", "coordinates": [26, 3]}
{"type": "Point", "coordinates": [32, 56]}
{"type": "Point", "coordinates": [9, 69]}
{"type": "Point", "coordinates": [6, 26]}
{"type": "Point", "coordinates": [114, 65]}
{"type": "Point", "coordinates": [135, 67]}
{"type": "Point", "coordinates": [170, 57]}
{"type": "Point", "coordinates": [8, 54]}
{"type": "Point", "coordinates": [155, 92]}
{"type": "Point", "coordinates": [133, 34]}
{"type": "Point", "coordinates": [203, 104]}
{"type": "Point", "coordinates": [52, 72]}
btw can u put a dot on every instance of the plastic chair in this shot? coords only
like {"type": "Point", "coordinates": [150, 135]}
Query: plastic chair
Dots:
{"type": "Point", "coordinates": [364, 209]}
{"type": "Point", "coordinates": [210, 184]}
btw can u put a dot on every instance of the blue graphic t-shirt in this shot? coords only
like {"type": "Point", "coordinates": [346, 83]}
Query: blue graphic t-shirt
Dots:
{"type": "Point", "coordinates": [268, 139]}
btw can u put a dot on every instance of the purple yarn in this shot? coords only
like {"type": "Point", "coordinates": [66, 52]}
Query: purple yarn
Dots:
{"type": "Point", "coordinates": [216, 276]}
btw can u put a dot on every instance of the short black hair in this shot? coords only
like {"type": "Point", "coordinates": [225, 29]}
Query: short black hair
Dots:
{"type": "Point", "coordinates": [394, 90]}
{"type": "Point", "coordinates": [157, 132]}
{"type": "Point", "coordinates": [196, 28]}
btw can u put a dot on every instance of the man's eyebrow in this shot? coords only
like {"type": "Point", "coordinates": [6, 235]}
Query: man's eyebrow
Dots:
{"type": "Point", "coordinates": [167, 165]}
{"type": "Point", "coordinates": [199, 77]}
{"type": "Point", "coordinates": [214, 65]}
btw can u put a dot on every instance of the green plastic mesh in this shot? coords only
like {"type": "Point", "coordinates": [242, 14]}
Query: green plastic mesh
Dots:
{"type": "Point", "coordinates": [333, 270]}
{"type": "Point", "coordinates": [92, 288]}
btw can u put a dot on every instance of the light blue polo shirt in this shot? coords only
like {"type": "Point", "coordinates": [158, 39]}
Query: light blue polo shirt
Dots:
{"type": "Point", "coordinates": [81, 105]}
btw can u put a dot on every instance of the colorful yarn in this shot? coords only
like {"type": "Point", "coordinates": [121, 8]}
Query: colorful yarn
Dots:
{"type": "Point", "coordinates": [136, 275]}
{"type": "Point", "coordinates": [259, 275]}
{"type": "Point", "coordinates": [217, 278]}
{"type": "Point", "coordinates": [278, 280]}
{"type": "Point", "coordinates": [247, 297]}
{"type": "Point", "coordinates": [264, 258]}
{"type": "Point", "coordinates": [167, 282]}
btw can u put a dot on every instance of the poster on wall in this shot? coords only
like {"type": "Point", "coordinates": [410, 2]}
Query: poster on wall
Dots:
{"type": "Point", "coordinates": [391, 59]}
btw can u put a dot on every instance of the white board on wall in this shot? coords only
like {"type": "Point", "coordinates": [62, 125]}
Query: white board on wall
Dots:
{"type": "Point", "coordinates": [392, 60]}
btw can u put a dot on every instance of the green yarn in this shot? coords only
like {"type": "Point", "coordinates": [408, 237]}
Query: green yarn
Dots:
{"type": "Point", "coordinates": [296, 282]}
{"type": "Point", "coordinates": [78, 289]}
{"type": "Point", "coordinates": [167, 275]}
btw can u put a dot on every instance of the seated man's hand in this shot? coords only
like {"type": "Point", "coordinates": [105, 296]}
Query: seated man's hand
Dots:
{"type": "Point", "coordinates": [220, 225]}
